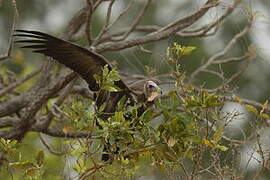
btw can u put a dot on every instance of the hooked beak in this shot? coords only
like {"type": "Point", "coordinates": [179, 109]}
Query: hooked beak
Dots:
{"type": "Point", "coordinates": [154, 95]}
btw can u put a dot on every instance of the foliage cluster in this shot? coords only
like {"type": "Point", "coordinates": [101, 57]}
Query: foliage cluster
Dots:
{"type": "Point", "coordinates": [177, 130]}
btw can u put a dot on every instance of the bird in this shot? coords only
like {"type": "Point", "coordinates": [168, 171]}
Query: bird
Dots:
{"type": "Point", "coordinates": [87, 64]}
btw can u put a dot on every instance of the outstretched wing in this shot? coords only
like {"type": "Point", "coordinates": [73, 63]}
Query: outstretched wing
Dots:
{"type": "Point", "coordinates": [79, 59]}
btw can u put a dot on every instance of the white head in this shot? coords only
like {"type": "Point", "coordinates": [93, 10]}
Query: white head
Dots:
{"type": "Point", "coordinates": [151, 91]}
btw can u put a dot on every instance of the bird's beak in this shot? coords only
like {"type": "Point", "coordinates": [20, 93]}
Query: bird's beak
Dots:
{"type": "Point", "coordinates": [154, 95]}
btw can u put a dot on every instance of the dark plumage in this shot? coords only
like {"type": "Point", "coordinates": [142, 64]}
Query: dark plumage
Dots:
{"type": "Point", "coordinates": [87, 63]}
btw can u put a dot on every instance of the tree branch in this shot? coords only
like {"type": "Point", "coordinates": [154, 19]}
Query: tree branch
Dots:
{"type": "Point", "coordinates": [19, 82]}
{"type": "Point", "coordinates": [158, 35]}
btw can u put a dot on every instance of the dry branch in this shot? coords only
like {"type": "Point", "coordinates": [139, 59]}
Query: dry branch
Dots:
{"type": "Point", "coordinates": [214, 59]}
{"type": "Point", "coordinates": [19, 82]}
{"type": "Point", "coordinates": [158, 35]}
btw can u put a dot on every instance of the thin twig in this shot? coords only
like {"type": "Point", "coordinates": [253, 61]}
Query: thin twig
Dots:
{"type": "Point", "coordinates": [229, 10]}
{"type": "Point", "coordinates": [155, 36]}
{"type": "Point", "coordinates": [88, 22]}
{"type": "Point", "coordinates": [104, 29]}
{"type": "Point", "coordinates": [70, 134]}
{"type": "Point", "coordinates": [122, 13]}
{"type": "Point", "coordinates": [218, 55]}
{"type": "Point", "coordinates": [49, 147]}
{"type": "Point", "coordinates": [19, 82]}
{"type": "Point", "coordinates": [135, 22]}
{"type": "Point", "coordinates": [103, 37]}
{"type": "Point", "coordinates": [91, 171]}
{"type": "Point", "coordinates": [233, 59]}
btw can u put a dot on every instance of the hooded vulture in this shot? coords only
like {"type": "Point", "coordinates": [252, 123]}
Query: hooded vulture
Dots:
{"type": "Point", "coordinates": [88, 64]}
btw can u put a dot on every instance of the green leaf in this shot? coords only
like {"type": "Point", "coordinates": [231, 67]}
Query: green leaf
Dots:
{"type": "Point", "coordinates": [222, 148]}
{"type": "Point", "coordinates": [9, 146]}
{"type": "Point", "coordinates": [264, 116]}
{"type": "Point", "coordinates": [105, 70]}
{"type": "Point", "coordinates": [111, 88]}
{"type": "Point", "coordinates": [189, 154]}
{"type": "Point", "coordinates": [98, 79]}
{"type": "Point", "coordinates": [237, 99]}
{"type": "Point", "coordinates": [119, 116]}
{"type": "Point", "coordinates": [114, 75]}
{"type": "Point", "coordinates": [218, 134]}
{"type": "Point", "coordinates": [102, 107]}
{"type": "Point", "coordinates": [187, 50]}
{"type": "Point", "coordinates": [252, 109]}
{"type": "Point", "coordinates": [40, 158]}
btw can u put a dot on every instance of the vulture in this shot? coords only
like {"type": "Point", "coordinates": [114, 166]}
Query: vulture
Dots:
{"type": "Point", "coordinates": [88, 64]}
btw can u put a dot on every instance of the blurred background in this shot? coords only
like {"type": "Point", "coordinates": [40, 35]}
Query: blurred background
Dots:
{"type": "Point", "coordinates": [52, 16]}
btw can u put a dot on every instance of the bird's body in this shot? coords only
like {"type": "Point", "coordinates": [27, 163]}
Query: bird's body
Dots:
{"type": "Point", "coordinates": [88, 64]}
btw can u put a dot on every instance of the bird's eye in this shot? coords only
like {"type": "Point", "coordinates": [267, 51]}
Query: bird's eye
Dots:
{"type": "Point", "coordinates": [150, 86]}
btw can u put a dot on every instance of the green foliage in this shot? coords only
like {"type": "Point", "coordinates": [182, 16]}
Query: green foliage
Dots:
{"type": "Point", "coordinates": [177, 51]}
{"type": "Point", "coordinates": [78, 115]}
{"type": "Point", "coordinates": [161, 138]}
{"type": "Point", "coordinates": [107, 79]}
{"type": "Point", "coordinates": [134, 143]}
{"type": "Point", "coordinates": [14, 160]}
{"type": "Point", "coordinates": [8, 146]}
{"type": "Point", "coordinates": [203, 100]}
{"type": "Point", "coordinates": [260, 114]}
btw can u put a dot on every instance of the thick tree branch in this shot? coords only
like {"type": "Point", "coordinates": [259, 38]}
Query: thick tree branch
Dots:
{"type": "Point", "coordinates": [38, 98]}
{"type": "Point", "coordinates": [44, 123]}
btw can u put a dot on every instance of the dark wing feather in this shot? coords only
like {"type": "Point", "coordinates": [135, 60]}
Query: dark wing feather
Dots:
{"type": "Point", "coordinates": [79, 59]}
